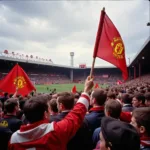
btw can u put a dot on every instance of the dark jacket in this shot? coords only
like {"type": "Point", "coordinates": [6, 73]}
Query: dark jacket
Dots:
{"type": "Point", "coordinates": [127, 108]}
{"type": "Point", "coordinates": [58, 117]}
{"type": "Point", "coordinates": [82, 139]}
{"type": "Point", "coordinates": [96, 137]}
{"type": "Point", "coordinates": [11, 122]}
{"type": "Point", "coordinates": [5, 134]}
{"type": "Point", "coordinates": [94, 117]}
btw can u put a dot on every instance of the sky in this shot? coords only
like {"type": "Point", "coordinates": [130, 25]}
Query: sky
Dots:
{"type": "Point", "coordinates": [53, 29]}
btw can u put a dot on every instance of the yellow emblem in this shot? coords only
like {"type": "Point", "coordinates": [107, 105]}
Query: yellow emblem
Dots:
{"type": "Point", "coordinates": [19, 82]}
{"type": "Point", "coordinates": [118, 48]}
{"type": "Point", "coordinates": [4, 123]}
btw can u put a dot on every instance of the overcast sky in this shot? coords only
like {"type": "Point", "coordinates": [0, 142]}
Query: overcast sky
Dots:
{"type": "Point", "coordinates": [51, 29]}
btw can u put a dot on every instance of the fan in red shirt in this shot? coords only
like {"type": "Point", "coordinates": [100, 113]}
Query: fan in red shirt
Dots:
{"type": "Point", "coordinates": [40, 134]}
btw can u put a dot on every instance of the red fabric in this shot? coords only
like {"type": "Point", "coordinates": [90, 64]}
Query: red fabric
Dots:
{"type": "Point", "coordinates": [126, 117]}
{"type": "Point", "coordinates": [1, 94]}
{"type": "Point", "coordinates": [145, 141]}
{"type": "Point", "coordinates": [109, 45]}
{"type": "Point", "coordinates": [99, 108]}
{"type": "Point", "coordinates": [96, 86]}
{"type": "Point", "coordinates": [17, 75]}
{"type": "Point", "coordinates": [119, 82]}
{"type": "Point", "coordinates": [74, 89]}
{"type": "Point", "coordinates": [56, 139]}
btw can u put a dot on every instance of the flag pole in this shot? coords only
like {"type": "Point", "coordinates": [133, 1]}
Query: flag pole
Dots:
{"type": "Point", "coordinates": [99, 32]}
{"type": "Point", "coordinates": [17, 80]}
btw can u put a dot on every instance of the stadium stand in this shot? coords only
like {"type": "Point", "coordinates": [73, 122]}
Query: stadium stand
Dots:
{"type": "Point", "coordinates": [105, 122]}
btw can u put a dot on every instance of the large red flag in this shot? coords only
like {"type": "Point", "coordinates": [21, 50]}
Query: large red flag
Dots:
{"type": "Point", "coordinates": [109, 45]}
{"type": "Point", "coordinates": [17, 78]}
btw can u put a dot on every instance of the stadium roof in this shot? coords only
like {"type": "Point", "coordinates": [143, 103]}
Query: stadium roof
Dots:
{"type": "Point", "coordinates": [30, 61]}
{"type": "Point", "coordinates": [143, 54]}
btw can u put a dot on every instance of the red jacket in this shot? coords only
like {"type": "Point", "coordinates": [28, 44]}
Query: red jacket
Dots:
{"type": "Point", "coordinates": [50, 136]}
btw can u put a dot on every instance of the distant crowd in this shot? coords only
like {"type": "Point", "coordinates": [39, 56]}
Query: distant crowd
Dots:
{"type": "Point", "coordinates": [115, 118]}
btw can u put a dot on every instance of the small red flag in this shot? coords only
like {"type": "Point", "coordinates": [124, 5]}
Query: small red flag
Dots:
{"type": "Point", "coordinates": [96, 86]}
{"type": "Point", "coordinates": [109, 45]}
{"type": "Point", "coordinates": [119, 82]}
{"type": "Point", "coordinates": [17, 78]}
{"type": "Point", "coordinates": [74, 89]}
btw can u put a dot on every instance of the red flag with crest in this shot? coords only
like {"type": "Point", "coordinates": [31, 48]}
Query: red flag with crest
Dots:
{"type": "Point", "coordinates": [109, 45]}
{"type": "Point", "coordinates": [17, 79]}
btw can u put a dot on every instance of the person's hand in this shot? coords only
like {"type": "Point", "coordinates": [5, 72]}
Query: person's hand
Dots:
{"type": "Point", "coordinates": [88, 84]}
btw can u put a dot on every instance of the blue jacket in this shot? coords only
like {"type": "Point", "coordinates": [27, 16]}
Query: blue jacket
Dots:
{"type": "Point", "coordinates": [127, 108]}
{"type": "Point", "coordinates": [94, 117]}
{"type": "Point", "coordinates": [96, 137]}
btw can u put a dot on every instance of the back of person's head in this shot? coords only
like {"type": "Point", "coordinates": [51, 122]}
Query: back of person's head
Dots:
{"type": "Point", "coordinates": [53, 105]}
{"type": "Point", "coordinates": [66, 100]}
{"type": "Point", "coordinates": [126, 99]}
{"type": "Point", "coordinates": [141, 120]}
{"type": "Point", "coordinates": [113, 109]}
{"type": "Point", "coordinates": [35, 108]}
{"type": "Point", "coordinates": [111, 95]}
{"type": "Point", "coordinates": [11, 105]}
{"type": "Point", "coordinates": [118, 135]}
{"type": "Point", "coordinates": [99, 96]}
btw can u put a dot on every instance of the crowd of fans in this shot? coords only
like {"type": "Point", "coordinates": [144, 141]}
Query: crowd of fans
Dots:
{"type": "Point", "coordinates": [115, 118]}
{"type": "Point", "coordinates": [41, 79]}
{"type": "Point", "coordinates": [59, 78]}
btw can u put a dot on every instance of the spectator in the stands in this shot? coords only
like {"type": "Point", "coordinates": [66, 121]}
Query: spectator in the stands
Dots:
{"type": "Point", "coordinates": [53, 107]}
{"type": "Point", "coordinates": [141, 121]}
{"type": "Point", "coordinates": [65, 104]}
{"type": "Point", "coordinates": [111, 96]}
{"type": "Point", "coordinates": [10, 119]}
{"type": "Point", "coordinates": [112, 109]}
{"type": "Point", "coordinates": [4, 98]}
{"type": "Point", "coordinates": [127, 103]}
{"type": "Point", "coordinates": [98, 99]}
{"type": "Point", "coordinates": [138, 100]}
{"type": "Point", "coordinates": [39, 133]}
{"type": "Point", "coordinates": [117, 135]}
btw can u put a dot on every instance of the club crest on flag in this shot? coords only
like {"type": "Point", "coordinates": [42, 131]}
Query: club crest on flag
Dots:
{"type": "Point", "coordinates": [19, 82]}
{"type": "Point", "coordinates": [118, 48]}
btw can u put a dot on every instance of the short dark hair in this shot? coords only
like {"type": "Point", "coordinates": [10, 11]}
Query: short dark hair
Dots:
{"type": "Point", "coordinates": [126, 99]}
{"type": "Point", "coordinates": [114, 108]}
{"type": "Point", "coordinates": [147, 96]}
{"type": "Point", "coordinates": [34, 109]}
{"type": "Point", "coordinates": [10, 104]}
{"type": "Point", "coordinates": [100, 96]}
{"type": "Point", "coordinates": [53, 105]}
{"type": "Point", "coordinates": [142, 117]}
{"type": "Point", "coordinates": [111, 95]}
{"type": "Point", "coordinates": [67, 99]}
{"type": "Point", "coordinates": [140, 97]}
